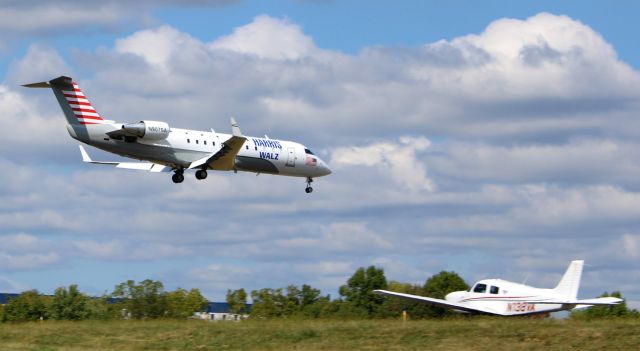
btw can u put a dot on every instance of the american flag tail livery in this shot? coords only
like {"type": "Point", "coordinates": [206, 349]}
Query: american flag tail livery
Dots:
{"type": "Point", "coordinates": [77, 109]}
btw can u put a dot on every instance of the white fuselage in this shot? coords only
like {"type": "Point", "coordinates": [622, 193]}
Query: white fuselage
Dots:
{"type": "Point", "coordinates": [184, 146]}
{"type": "Point", "coordinates": [507, 298]}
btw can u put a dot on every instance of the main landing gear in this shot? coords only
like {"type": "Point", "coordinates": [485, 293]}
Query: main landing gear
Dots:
{"type": "Point", "coordinates": [201, 174]}
{"type": "Point", "coordinates": [178, 176]}
{"type": "Point", "coordinates": [309, 189]}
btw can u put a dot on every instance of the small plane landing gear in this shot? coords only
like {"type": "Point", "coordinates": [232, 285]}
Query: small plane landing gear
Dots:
{"type": "Point", "coordinates": [178, 177]}
{"type": "Point", "coordinates": [201, 174]}
{"type": "Point", "coordinates": [309, 189]}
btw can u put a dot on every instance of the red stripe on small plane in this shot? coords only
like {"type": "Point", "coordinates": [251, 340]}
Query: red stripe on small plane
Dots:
{"type": "Point", "coordinates": [497, 297]}
{"type": "Point", "coordinates": [89, 123]}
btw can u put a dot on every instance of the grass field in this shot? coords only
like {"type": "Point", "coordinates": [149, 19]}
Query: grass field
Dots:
{"type": "Point", "coordinates": [456, 334]}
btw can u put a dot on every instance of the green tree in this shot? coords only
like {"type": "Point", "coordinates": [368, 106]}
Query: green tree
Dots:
{"type": "Point", "coordinates": [237, 300]}
{"type": "Point", "coordinates": [195, 302]}
{"type": "Point", "coordinates": [29, 306]}
{"type": "Point", "coordinates": [358, 291]}
{"type": "Point", "coordinates": [292, 304]}
{"type": "Point", "coordinates": [308, 296]}
{"type": "Point", "coordinates": [69, 304]}
{"type": "Point", "coordinates": [438, 286]}
{"type": "Point", "coordinates": [144, 300]}
{"type": "Point", "coordinates": [393, 307]}
{"type": "Point", "coordinates": [267, 303]}
{"type": "Point", "coordinates": [101, 308]}
{"type": "Point", "coordinates": [182, 303]}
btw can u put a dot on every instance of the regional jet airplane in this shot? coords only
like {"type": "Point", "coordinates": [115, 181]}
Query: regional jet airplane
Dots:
{"type": "Point", "coordinates": [166, 149]}
{"type": "Point", "coordinates": [504, 298]}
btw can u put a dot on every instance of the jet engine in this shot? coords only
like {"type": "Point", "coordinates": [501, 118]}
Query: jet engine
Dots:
{"type": "Point", "coordinates": [148, 130]}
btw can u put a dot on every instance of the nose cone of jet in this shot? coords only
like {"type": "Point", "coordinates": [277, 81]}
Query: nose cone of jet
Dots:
{"type": "Point", "coordinates": [323, 169]}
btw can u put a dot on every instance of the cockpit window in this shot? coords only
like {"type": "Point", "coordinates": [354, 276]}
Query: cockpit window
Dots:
{"type": "Point", "coordinates": [480, 288]}
{"type": "Point", "coordinates": [308, 152]}
{"type": "Point", "coordinates": [494, 289]}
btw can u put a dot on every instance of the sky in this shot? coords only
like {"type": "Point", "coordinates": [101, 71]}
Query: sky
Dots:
{"type": "Point", "coordinates": [494, 139]}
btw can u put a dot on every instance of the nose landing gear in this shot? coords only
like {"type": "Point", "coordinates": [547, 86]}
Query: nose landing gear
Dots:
{"type": "Point", "coordinates": [309, 189]}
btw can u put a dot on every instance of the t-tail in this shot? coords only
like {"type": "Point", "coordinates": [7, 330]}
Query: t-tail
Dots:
{"type": "Point", "coordinates": [75, 105]}
{"type": "Point", "coordinates": [570, 282]}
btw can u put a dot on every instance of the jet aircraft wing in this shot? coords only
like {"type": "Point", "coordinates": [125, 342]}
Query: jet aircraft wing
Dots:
{"type": "Point", "coordinates": [142, 166]}
{"type": "Point", "coordinates": [436, 302]}
{"type": "Point", "coordinates": [225, 158]}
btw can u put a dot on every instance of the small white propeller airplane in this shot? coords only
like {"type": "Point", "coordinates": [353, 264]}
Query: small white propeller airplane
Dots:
{"type": "Point", "coordinates": [504, 298]}
{"type": "Point", "coordinates": [167, 149]}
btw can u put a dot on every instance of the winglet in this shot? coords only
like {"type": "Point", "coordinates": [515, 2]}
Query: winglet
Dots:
{"type": "Point", "coordinates": [235, 130]}
{"type": "Point", "coordinates": [85, 155]}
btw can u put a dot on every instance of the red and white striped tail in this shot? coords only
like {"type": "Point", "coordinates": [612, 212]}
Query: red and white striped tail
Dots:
{"type": "Point", "coordinates": [81, 107]}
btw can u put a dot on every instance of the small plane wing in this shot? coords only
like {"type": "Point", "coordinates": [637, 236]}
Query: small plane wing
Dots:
{"type": "Point", "coordinates": [225, 158]}
{"type": "Point", "coordinates": [142, 166]}
{"type": "Point", "coordinates": [434, 302]}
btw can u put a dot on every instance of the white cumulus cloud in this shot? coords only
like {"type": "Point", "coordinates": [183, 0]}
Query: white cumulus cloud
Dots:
{"type": "Point", "coordinates": [399, 160]}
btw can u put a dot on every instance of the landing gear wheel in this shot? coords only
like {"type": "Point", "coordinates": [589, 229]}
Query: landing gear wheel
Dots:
{"type": "Point", "coordinates": [309, 189]}
{"type": "Point", "coordinates": [177, 178]}
{"type": "Point", "coordinates": [201, 174]}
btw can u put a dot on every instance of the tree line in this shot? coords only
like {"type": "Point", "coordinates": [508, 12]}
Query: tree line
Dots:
{"type": "Point", "coordinates": [143, 300]}
{"type": "Point", "coordinates": [149, 300]}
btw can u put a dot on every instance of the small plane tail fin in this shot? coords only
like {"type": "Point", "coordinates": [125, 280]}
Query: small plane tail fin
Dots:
{"type": "Point", "coordinates": [75, 105]}
{"type": "Point", "coordinates": [570, 282]}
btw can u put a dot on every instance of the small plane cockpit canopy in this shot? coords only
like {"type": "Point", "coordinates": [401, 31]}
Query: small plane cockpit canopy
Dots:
{"type": "Point", "coordinates": [308, 152]}
{"type": "Point", "coordinates": [480, 288]}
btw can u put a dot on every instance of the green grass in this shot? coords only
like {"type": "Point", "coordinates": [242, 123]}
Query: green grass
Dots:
{"type": "Point", "coordinates": [455, 334]}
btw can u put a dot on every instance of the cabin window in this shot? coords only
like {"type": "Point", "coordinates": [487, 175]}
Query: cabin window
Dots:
{"type": "Point", "coordinates": [494, 290]}
{"type": "Point", "coordinates": [197, 141]}
{"type": "Point", "coordinates": [247, 147]}
{"type": "Point", "coordinates": [205, 142]}
{"type": "Point", "coordinates": [256, 148]}
{"type": "Point", "coordinates": [213, 143]}
{"type": "Point", "coordinates": [480, 288]}
{"type": "Point", "coordinates": [189, 141]}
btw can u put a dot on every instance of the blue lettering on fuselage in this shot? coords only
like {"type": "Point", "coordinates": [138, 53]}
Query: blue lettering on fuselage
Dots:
{"type": "Point", "coordinates": [274, 144]}
{"type": "Point", "coordinates": [269, 155]}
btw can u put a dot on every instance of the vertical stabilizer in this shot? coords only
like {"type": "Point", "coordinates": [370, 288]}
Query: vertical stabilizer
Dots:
{"type": "Point", "coordinates": [570, 282]}
{"type": "Point", "coordinates": [75, 105]}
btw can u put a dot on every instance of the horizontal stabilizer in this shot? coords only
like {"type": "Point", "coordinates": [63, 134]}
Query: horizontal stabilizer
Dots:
{"type": "Point", "coordinates": [601, 301]}
{"type": "Point", "coordinates": [37, 85]}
